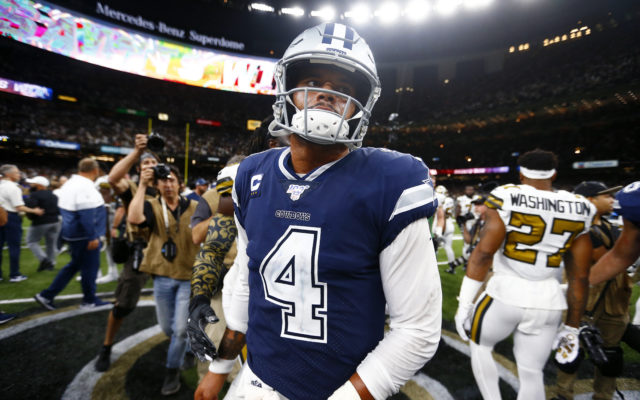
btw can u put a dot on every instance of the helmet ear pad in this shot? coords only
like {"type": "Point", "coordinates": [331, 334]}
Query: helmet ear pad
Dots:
{"type": "Point", "coordinates": [299, 69]}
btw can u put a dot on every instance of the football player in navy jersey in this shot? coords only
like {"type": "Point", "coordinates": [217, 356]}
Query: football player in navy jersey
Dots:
{"type": "Point", "coordinates": [328, 233]}
{"type": "Point", "coordinates": [627, 248]}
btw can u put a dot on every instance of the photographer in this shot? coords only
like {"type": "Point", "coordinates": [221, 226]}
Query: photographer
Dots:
{"type": "Point", "coordinates": [168, 258]}
{"type": "Point", "coordinates": [607, 307]}
{"type": "Point", "coordinates": [131, 281]}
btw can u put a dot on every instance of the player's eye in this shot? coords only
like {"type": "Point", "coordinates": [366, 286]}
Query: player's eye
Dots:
{"type": "Point", "coordinates": [346, 89]}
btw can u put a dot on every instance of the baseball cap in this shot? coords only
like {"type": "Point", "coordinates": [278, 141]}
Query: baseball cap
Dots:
{"type": "Point", "coordinates": [39, 180]}
{"type": "Point", "coordinates": [201, 181]}
{"type": "Point", "coordinates": [594, 188]}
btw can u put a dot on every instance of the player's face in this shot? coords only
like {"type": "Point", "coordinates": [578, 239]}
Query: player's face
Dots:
{"type": "Point", "coordinates": [469, 191]}
{"type": "Point", "coordinates": [170, 187]}
{"type": "Point", "coordinates": [604, 203]}
{"type": "Point", "coordinates": [148, 162]}
{"type": "Point", "coordinates": [325, 78]}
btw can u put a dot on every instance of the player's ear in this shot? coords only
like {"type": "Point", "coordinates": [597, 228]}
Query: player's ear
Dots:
{"type": "Point", "coordinates": [555, 175]}
{"type": "Point", "coordinates": [521, 176]}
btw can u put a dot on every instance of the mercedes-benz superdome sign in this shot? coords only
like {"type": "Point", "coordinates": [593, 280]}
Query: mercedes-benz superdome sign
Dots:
{"type": "Point", "coordinates": [98, 42]}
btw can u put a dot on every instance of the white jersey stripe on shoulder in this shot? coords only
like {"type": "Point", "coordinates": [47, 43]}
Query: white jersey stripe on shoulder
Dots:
{"type": "Point", "coordinates": [283, 157]}
{"type": "Point", "coordinates": [413, 197]}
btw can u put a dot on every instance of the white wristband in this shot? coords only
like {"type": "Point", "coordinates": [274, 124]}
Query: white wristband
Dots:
{"type": "Point", "coordinates": [221, 366]}
{"type": "Point", "coordinates": [345, 392]}
{"type": "Point", "coordinates": [468, 290]}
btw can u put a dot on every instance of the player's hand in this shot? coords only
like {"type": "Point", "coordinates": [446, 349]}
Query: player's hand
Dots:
{"type": "Point", "coordinates": [93, 244]}
{"type": "Point", "coordinates": [210, 386]}
{"type": "Point", "coordinates": [567, 344]}
{"type": "Point", "coordinates": [463, 320]}
{"type": "Point", "coordinates": [201, 314]}
{"type": "Point", "coordinates": [141, 142]}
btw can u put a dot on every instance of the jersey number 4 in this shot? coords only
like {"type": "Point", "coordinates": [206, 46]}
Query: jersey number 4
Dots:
{"type": "Point", "coordinates": [290, 280]}
{"type": "Point", "coordinates": [537, 229]}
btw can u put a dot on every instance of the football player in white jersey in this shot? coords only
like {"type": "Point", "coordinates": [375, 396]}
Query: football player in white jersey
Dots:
{"type": "Point", "coordinates": [529, 230]}
{"type": "Point", "coordinates": [466, 218]}
{"type": "Point", "coordinates": [322, 225]}
{"type": "Point", "coordinates": [443, 227]}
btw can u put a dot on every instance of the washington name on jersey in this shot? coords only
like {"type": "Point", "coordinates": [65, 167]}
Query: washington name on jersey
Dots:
{"type": "Point", "coordinates": [540, 227]}
{"type": "Point", "coordinates": [313, 244]}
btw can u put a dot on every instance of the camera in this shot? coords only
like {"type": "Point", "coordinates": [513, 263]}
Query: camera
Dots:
{"type": "Point", "coordinates": [155, 142]}
{"type": "Point", "coordinates": [169, 250]}
{"type": "Point", "coordinates": [592, 343]}
{"type": "Point", "coordinates": [161, 171]}
{"type": "Point", "coordinates": [137, 248]}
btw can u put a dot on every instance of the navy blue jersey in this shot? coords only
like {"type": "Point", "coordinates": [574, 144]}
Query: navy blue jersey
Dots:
{"type": "Point", "coordinates": [629, 199]}
{"type": "Point", "coordinates": [317, 304]}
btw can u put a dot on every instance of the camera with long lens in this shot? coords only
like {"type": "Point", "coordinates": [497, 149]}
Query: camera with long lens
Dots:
{"type": "Point", "coordinates": [161, 171]}
{"type": "Point", "coordinates": [137, 248]}
{"type": "Point", "coordinates": [155, 142]}
{"type": "Point", "coordinates": [592, 342]}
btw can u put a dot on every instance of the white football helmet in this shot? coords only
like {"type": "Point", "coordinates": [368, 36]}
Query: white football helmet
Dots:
{"type": "Point", "coordinates": [440, 189]}
{"type": "Point", "coordinates": [334, 45]}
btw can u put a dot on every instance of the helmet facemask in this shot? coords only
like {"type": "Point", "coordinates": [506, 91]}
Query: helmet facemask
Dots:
{"type": "Point", "coordinates": [319, 125]}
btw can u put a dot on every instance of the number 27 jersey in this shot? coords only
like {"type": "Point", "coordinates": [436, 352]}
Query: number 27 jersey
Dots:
{"type": "Point", "coordinates": [540, 227]}
{"type": "Point", "coordinates": [316, 307]}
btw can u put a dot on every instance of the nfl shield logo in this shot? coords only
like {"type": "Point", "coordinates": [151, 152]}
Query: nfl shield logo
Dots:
{"type": "Point", "coordinates": [296, 191]}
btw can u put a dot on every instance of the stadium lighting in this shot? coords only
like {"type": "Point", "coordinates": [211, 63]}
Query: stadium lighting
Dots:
{"type": "Point", "coordinates": [417, 10]}
{"type": "Point", "coordinates": [325, 13]}
{"type": "Point", "coordinates": [359, 13]}
{"type": "Point", "coordinates": [477, 4]}
{"type": "Point", "coordinates": [447, 7]}
{"type": "Point", "coordinates": [295, 11]}
{"type": "Point", "coordinates": [388, 12]}
{"type": "Point", "coordinates": [261, 7]}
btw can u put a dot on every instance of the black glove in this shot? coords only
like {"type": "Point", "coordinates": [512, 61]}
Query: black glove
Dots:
{"type": "Point", "coordinates": [201, 314]}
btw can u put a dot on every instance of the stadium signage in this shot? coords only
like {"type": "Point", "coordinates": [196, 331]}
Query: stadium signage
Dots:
{"type": "Point", "coordinates": [26, 89]}
{"type": "Point", "coordinates": [208, 122]}
{"type": "Point", "coordinates": [162, 27]}
{"type": "Point", "coordinates": [595, 164]}
{"type": "Point", "coordinates": [58, 144]}
{"type": "Point", "coordinates": [471, 171]}
{"type": "Point", "coordinates": [116, 150]}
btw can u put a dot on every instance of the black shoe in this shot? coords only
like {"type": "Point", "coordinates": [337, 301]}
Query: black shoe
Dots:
{"type": "Point", "coordinates": [104, 359]}
{"type": "Point", "coordinates": [452, 268]}
{"type": "Point", "coordinates": [189, 361]}
{"type": "Point", "coordinates": [171, 382]}
{"type": "Point", "coordinates": [45, 265]}
{"type": "Point", "coordinates": [44, 302]}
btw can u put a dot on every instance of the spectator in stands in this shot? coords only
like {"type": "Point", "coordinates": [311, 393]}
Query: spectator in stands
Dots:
{"type": "Point", "coordinates": [46, 225]}
{"type": "Point", "coordinates": [11, 232]}
{"type": "Point", "coordinates": [83, 222]}
{"type": "Point", "coordinates": [168, 258]}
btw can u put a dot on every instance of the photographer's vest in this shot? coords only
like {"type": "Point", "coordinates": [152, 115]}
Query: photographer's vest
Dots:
{"type": "Point", "coordinates": [618, 289]}
{"type": "Point", "coordinates": [154, 262]}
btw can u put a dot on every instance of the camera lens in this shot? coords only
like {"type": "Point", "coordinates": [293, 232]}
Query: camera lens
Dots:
{"type": "Point", "coordinates": [155, 142]}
